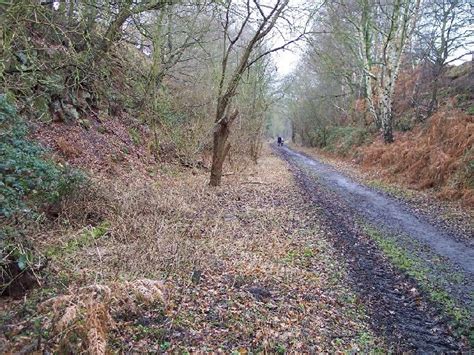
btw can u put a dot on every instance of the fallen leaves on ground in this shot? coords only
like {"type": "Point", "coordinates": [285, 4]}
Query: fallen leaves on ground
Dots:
{"type": "Point", "coordinates": [245, 266]}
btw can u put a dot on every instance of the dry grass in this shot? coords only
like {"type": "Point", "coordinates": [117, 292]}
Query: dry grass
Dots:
{"type": "Point", "coordinates": [81, 320]}
{"type": "Point", "coordinates": [436, 156]}
{"type": "Point", "coordinates": [245, 266]}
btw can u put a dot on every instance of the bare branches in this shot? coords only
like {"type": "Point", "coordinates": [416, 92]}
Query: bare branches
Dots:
{"type": "Point", "coordinates": [253, 28]}
{"type": "Point", "coordinates": [275, 49]}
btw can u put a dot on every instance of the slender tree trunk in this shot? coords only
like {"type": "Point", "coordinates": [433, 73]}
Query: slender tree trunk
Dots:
{"type": "Point", "coordinates": [387, 117]}
{"type": "Point", "coordinates": [432, 106]}
{"type": "Point", "coordinates": [113, 30]}
{"type": "Point", "coordinates": [434, 98]}
{"type": "Point", "coordinates": [366, 37]}
{"type": "Point", "coordinates": [220, 147]}
{"type": "Point", "coordinates": [227, 91]}
{"type": "Point", "coordinates": [369, 99]}
{"type": "Point", "coordinates": [293, 132]}
{"type": "Point", "coordinates": [70, 11]}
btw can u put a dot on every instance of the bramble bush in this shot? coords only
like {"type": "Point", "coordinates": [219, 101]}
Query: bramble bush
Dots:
{"type": "Point", "coordinates": [28, 179]}
{"type": "Point", "coordinates": [339, 139]}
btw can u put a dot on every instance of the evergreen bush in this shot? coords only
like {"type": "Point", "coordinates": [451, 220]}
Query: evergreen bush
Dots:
{"type": "Point", "coordinates": [28, 179]}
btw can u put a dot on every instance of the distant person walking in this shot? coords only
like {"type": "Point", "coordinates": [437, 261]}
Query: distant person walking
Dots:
{"type": "Point", "coordinates": [280, 141]}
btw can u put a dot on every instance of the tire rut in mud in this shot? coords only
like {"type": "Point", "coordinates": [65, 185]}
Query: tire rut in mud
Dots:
{"type": "Point", "coordinates": [406, 319]}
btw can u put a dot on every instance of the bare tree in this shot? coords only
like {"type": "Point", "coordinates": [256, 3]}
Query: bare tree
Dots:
{"type": "Point", "coordinates": [365, 65]}
{"type": "Point", "coordinates": [244, 27]}
{"type": "Point", "coordinates": [120, 13]}
{"type": "Point", "coordinates": [254, 100]}
{"type": "Point", "coordinates": [384, 30]}
{"type": "Point", "coordinates": [442, 37]}
{"type": "Point", "coordinates": [170, 34]}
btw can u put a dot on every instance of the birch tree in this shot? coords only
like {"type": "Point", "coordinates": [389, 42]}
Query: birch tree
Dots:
{"type": "Point", "coordinates": [384, 30]}
{"type": "Point", "coordinates": [127, 9]}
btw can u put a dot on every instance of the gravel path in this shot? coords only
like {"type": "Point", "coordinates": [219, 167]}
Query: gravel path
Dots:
{"type": "Point", "coordinates": [398, 309]}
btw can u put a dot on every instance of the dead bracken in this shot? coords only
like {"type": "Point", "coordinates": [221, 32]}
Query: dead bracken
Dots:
{"type": "Point", "coordinates": [266, 276]}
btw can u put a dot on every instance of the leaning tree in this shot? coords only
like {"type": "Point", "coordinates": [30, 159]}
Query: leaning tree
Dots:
{"type": "Point", "coordinates": [245, 28]}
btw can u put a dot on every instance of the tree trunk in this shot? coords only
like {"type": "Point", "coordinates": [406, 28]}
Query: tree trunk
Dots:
{"type": "Point", "coordinates": [70, 11]}
{"type": "Point", "coordinates": [293, 132]}
{"type": "Point", "coordinates": [220, 147]}
{"type": "Point", "coordinates": [113, 30]}
{"type": "Point", "coordinates": [387, 128]}
{"type": "Point", "coordinates": [372, 109]}
{"type": "Point", "coordinates": [433, 105]}
{"type": "Point", "coordinates": [387, 117]}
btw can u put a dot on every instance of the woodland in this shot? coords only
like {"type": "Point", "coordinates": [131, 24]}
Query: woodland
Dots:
{"type": "Point", "coordinates": [145, 205]}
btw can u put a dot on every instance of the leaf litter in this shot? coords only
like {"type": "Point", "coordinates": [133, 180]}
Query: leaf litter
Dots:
{"type": "Point", "coordinates": [244, 267]}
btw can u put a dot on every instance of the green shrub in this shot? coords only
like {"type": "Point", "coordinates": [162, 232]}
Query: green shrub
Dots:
{"type": "Point", "coordinates": [135, 135]}
{"type": "Point", "coordinates": [28, 179]}
{"type": "Point", "coordinates": [404, 124]}
{"type": "Point", "coordinates": [343, 139]}
{"type": "Point", "coordinates": [318, 137]}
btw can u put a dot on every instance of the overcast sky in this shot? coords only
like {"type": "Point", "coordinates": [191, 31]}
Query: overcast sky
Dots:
{"type": "Point", "coordinates": [286, 61]}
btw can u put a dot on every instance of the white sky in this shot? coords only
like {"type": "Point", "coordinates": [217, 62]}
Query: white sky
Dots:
{"type": "Point", "coordinates": [286, 61]}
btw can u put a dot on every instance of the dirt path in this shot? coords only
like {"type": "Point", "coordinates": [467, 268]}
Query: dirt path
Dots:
{"type": "Point", "coordinates": [400, 310]}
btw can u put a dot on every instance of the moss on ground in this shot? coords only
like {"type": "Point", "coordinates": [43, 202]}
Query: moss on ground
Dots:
{"type": "Point", "coordinates": [414, 266]}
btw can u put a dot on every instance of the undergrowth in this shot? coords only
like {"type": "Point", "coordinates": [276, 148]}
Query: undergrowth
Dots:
{"type": "Point", "coordinates": [344, 139]}
{"type": "Point", "coordinates": [438, 155]}
{"type": "Point", "coordinates": [30, 182]}
{"type": "Point", "coordinates": [28, 179]}
{"type": "Point", "coordinates": [340, 140]}
{"type": "Point", "coordinates": [243, 266]}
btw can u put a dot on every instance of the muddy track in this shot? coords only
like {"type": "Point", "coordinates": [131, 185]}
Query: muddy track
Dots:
{"type": "Point", "coordinates": [399, 311]}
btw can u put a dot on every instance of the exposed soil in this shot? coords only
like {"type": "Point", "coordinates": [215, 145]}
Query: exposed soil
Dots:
{"type": "Point", "coordinates": [398, 309]}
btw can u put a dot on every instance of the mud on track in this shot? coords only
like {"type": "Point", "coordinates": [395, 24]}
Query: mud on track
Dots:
{"type": "Point", "coordinates": [398, 310]}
